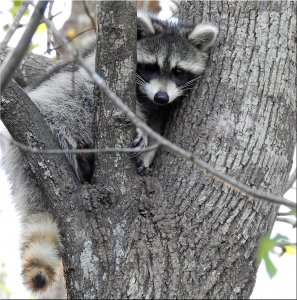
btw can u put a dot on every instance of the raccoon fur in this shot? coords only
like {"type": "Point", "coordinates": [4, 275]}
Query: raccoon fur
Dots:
{"type": "Point", "coordinates": [170, 57]}
{"type": "Point", "coordinates": [65, 99]}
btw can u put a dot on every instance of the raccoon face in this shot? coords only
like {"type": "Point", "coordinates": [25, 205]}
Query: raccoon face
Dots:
{"type": "Point", "coordinates": [170, 57]}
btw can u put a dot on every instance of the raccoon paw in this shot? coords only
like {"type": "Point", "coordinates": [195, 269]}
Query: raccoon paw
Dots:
{"type": "Point", "coordinates": [85, 162]}
{"type": "Point", "coordinates": [139, 142]}
{"type": "Point", "coordinates": [142, 170]}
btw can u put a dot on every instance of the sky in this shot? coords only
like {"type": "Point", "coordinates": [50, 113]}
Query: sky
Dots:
{"type": "Point", "coordinates": [282, 286]}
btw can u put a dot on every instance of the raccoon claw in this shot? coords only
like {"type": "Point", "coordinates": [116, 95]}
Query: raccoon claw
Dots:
{"type": "Point", "coordinates": [144, 171]}
{"type": "Point", "coordinates": [138, 143]}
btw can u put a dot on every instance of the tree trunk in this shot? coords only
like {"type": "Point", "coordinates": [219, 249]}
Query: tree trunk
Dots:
{"type": "Point", "coordinates": [180, 233]}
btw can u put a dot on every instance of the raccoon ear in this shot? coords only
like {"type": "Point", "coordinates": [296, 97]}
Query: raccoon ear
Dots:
{"type": "Point", "coordinates": [203, 36]}
{"type": "Point", "coordinates": [145, 26]}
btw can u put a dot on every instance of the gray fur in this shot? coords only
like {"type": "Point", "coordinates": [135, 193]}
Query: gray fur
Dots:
{"type": "Point", "coordinates": [170, 58]}
{"type": "Point", "coordinates": [68, 112]}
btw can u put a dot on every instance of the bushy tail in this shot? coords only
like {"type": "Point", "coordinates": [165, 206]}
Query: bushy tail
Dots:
{"type": "Point", "coordinates": [40, 252]}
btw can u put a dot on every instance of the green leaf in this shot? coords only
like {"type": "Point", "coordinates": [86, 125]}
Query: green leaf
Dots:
{"type": "Point", "coordinates": [41, 28]}
{"type": "Point", "coordinates": [16, 6]}
{"type": "Point", "coordinates": [266, 245]}
{"type": "Point", "coordinates": [270, 267]}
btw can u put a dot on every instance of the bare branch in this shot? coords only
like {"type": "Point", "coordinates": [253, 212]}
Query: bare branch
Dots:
{"type": "Point", "coordinates": [288, 213]}
{"type": "Point", "coordinates": [285, 244]}
{"type": "Point", "coordinates": [203, 166]}
{"type": "Point", "coordinates": [89, 15]}
{"type": "Point", "coordinates": [60, 46]}
{"type": "Point", "coordinates": [287, 220]}
{"type": "Point", "coordinates": [15, 24]}
{"type": "Point", "coordinates": [291, 181]}
{"type": "Point", "coordinates": [32, 68]}
{"type": "Point", "coordinates": [75, 151]}
{"type": "Point", "coordinates": [8, 68]}
{"type": "Point", "coordinates": [49, 32]}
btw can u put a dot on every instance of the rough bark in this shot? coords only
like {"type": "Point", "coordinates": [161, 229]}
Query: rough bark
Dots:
{"type": "Point", "coordinates": [188, 236]}
{"type": "Point", "coordinates": [32, 68]}
{"type": "Point", "coordinates": [179, 233]}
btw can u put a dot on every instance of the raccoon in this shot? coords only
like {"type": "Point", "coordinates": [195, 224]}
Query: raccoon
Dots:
{"type": "Point", "coordinates": [65, 99]}
{"type": "Point", "coordinates": [170, 58]}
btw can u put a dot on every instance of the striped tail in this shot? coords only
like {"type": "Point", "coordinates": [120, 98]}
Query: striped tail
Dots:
{"type": "Point", "coordinates": [40, 252]}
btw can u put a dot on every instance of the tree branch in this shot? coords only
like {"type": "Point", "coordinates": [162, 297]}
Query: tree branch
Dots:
{"type": "Point", "coordinates": [89, 15]}
{"type": "Point", "coordinates": [25, 148]}
{"type": "Point", "coordinates": [33, 67]}
{"type": "Point", "coordinates": [9, 67]}
{"type": "Point", "coordinates": [15, 24]}
{"type": "Point", "coordinates": [203, 166]}
{"type": "Point", "coordinates": [289, 213]}
{"type": "Point", "coordinates": [287, 220]}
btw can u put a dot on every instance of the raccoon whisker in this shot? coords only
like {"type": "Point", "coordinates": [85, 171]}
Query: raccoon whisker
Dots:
{"type": "Point", "coordinates": [187, 89]}
{"type": "Point", "coordinates": [190, 82]}
{"type": "Point", "coordinates": [193, 80]}
{"type": "Point", "coordinates": [140, 82]}
{"type": "Point", "coordinates": [186, 86]}
{"type": "Point", "coordinates": [140, 78]}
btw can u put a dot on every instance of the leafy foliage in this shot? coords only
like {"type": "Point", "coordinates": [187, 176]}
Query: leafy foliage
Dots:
{"type": "Point", "coordinates": [267, 246]}
{"type": "Point", "coordinates": [16, 6]}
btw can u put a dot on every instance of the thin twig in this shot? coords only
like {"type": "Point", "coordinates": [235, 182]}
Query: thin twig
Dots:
{"type": "Point", "coordinates": [15, 58]}
{"type": "Point", "coordinates": [75, 151]}
{"type": "Point", "coordinates": [288, 213]}
{"type": "Point", "coordinates": [60, 46]}
{"type": "Point", "coordinates": [15, 24]}
{"type": "Point", "coordinates": [89, 15]}
{"type": "Point", "coordinates": [171, 147]}
{"type": "Point", "coordinates": [49, 32]}
{"type": "Point", "coordinates": [287, 220]}
{"type": "Point", "coordinates": [285, 244]}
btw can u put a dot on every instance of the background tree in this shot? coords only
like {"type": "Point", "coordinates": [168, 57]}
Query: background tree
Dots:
{"type": "Point", "coordinates": [179, 233]}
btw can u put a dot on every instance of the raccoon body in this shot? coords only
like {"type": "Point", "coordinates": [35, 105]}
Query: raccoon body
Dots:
{"type": "Point", "coordinates": [170, 57]}
{"type": "Point", "coordinates": [68, 112]}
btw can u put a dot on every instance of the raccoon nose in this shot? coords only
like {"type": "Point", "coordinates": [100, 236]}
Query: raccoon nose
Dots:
{"type": "Point", "coordinates": [161, 98]}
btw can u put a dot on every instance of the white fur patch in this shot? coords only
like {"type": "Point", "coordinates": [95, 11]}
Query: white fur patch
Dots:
{"type": "Point", "coordinates": [143, 16]}
{"type": "Point", "coordinates": [45, 253]}
{"type": "Point", "coordinates": [41, 224]}
{"type": "Point", "coordinates": [155, 86]}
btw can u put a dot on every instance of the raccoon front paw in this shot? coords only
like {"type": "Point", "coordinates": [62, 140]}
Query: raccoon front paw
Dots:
{"type": "Point", "coordinates": [139, 142]}
{"type": "Point", "coordinates": [142, 170]}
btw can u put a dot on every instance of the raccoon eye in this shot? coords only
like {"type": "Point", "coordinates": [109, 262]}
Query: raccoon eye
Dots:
{"type": "Point", "coordinates": [177, 72]}
{"type": "Point", "coordinates": [151, 68]}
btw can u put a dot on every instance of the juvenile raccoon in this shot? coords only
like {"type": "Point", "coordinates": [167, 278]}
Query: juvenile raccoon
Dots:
{"type": "Point", "coordinates": [170, 57]}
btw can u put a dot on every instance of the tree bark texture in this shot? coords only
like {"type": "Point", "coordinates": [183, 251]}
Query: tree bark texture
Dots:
{"type": "Point", "coordinates": [32, 68]}
{"type": "Point", "coordinates": [179, 233]}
